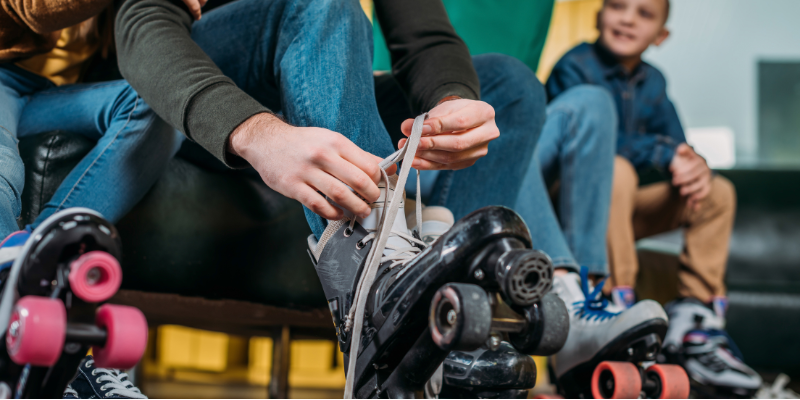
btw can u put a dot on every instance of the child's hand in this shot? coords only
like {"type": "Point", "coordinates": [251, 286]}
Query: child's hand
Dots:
{"type": "Point", "coordinates": [456, 134]}
{"type": "Point", "coordinates": [691, 174]}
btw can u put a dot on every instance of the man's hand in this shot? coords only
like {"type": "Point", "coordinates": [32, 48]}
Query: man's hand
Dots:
{"type": "Point", "coordinates": [691, 174]}
{"type": "Point", "coordinates": [194, 7]}
{"type": "Point", "coordinates": [455, 135]}
{"type": "Point", "coordinates": [301, 162]}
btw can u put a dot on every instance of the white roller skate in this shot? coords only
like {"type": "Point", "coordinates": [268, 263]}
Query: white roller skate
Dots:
{"type": "Point", "coordinates": [697, 340]}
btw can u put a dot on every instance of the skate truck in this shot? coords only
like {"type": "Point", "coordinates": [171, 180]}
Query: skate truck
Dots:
{"type": "Point", "coordinates": [51, 307]}
{"type": "Point", "coordinates": [400, 305]}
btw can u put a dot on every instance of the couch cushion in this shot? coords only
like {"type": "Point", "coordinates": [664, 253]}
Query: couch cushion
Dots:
{"type": "Point", "coordinates": [198, 232]}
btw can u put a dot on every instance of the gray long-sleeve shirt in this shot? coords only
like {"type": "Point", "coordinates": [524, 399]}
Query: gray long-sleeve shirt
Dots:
{"type": "Point", "coordinates": [183, 85]}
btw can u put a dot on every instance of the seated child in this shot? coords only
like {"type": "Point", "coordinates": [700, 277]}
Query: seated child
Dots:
{"type": "Point", "coordinates": [650, 136]}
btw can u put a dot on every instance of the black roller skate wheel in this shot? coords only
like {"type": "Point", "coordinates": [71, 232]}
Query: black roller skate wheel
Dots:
{"type": "Point", "coordinates": [460, 317]}
{"type": "Point", "coordinates": [524, 275]}
{"type": "Point", "coordinates": [546, 329]}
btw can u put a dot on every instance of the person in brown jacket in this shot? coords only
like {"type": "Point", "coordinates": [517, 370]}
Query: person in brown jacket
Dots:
{"type": "Point", "coordinates": [45, 47]}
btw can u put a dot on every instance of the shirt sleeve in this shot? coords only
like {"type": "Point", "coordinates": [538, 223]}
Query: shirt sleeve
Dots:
{"type": "Point", "coordinates": [46, 16]}
{"type": "Point", "coordinates": [657, 147]}
{"type": "Point", "coordinates": [566, 74]}
{"type": "Point", "coordinates": [429, 60]}
{"type": "Point", "coordinates": [176, 78]}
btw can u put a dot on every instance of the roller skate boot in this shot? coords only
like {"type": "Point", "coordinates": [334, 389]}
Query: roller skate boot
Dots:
{"type": "Point", "coordinates": [49, 308]}
{"type": "Point", "coordinates": [477, 279]}
{"type": "Point", "coordinates": [696, 339]}
{"type": "Point", "coordinates": [611, 351]}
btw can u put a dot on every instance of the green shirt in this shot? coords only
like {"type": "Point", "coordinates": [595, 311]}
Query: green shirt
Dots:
{"type": "Point", "coordinates": [514, 27]}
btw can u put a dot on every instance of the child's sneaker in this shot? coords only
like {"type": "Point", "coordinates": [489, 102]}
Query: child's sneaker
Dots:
{"type": "Point", "coordinates": [11, 246]}
{"type": "Point", "coordinates": [598, 329]}
{"type": "Point", "coordinates": [93, 382]}
{"type": "Point", "coordinates": [623, 297]}
{"type": "Point", "coordinates": [70, 393]}
{"type": "Point", "coordinates": [697, 340]}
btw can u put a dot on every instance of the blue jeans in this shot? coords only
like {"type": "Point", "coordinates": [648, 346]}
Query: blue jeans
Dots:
{"type": "Point", "coordinates": [309, 60]}
{"type": "Point", "coordinates": [577, 148]}
{"type": "Point", "coordinates": [576, 144]}
{"type": "Point", "coordinates": [133, 144]}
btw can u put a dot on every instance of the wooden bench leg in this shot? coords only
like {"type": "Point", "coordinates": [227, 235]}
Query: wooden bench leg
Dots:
{"type": "Point", "coordinates": [279, 381]}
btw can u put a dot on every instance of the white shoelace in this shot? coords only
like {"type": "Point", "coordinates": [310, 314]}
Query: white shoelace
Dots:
{"type": "Point", "coordinates": [375, 256]}
{"type": "Point", "coordinates": [115, 380]}
{"type": "Point", "coordinates": [69, 391]}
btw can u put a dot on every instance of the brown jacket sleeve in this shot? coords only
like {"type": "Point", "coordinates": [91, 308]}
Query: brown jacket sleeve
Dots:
{"type": "Point", "coordinates": [46, 16]}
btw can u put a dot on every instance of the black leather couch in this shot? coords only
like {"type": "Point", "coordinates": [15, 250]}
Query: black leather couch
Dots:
{"type": "Point", "coordinates": [207, 247]}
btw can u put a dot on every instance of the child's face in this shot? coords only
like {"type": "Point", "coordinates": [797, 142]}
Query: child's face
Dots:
{"type": "Point", "coordinates": [628, 27]}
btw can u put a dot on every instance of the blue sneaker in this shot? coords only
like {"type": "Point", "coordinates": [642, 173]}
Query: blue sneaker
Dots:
{"type": "Point", "coordinates": [11, 246]}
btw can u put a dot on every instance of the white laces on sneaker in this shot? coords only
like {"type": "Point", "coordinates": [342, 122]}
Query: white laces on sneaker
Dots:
{"type": "Point", "coordinates": [69, 391]}
{"type": "Point", "coordinates": [115, 381]}
{"type": "Point", "coordinates": [376, 256]}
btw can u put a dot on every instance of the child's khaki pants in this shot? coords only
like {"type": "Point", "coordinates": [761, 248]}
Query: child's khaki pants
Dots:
{"type": "Point", "coordinates": [638, 212]}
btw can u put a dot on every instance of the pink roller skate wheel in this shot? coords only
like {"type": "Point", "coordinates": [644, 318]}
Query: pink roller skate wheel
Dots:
{"type": "Point", "coordinates": [127, 336]}
{"type": "Point", "coordinates": [95, 276]}
{"type": "Point", "coordinates": [36, 331]}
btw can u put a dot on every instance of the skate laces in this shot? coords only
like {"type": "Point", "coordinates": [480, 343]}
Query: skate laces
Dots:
{"type": "Point", "coordinates": [115, 381]}
{"type": "Point", "coordinates": [379, 236]}
{"type": "Point", "coordinates": [594, 306]}
{"type": "Point", "coordinates": [401, 255]}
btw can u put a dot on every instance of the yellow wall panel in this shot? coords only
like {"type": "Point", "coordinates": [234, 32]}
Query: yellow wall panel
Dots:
{"type": "Point", "coordinates": [260, 361]}
{"type": "Point", "coordinates": [180, 347]}
{"type": "Point", "coordinates": [312, 365]}
{"type": "Point", "coordinates": [573, 22]}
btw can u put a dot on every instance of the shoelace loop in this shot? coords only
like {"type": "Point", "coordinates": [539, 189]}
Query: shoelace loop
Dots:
{"type": "Point", "coordinates": [115, 381]}
{"type": "Point", "coordinates": [594, 305]}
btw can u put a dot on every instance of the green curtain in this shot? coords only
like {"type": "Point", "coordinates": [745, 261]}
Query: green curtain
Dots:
{"type": "Point", "coordinates": [514, 27]}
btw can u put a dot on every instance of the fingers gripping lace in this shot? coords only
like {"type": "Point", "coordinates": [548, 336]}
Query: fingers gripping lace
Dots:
{"type": "Point", "coordinates": [381, 235]}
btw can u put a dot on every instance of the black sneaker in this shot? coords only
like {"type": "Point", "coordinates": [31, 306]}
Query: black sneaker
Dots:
{"type": "Point", "coordinates": [70, 393]}
{"type": "Point", "coordinates": [93, 383]}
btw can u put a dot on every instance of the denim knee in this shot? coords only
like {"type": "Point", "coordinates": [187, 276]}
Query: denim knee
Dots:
{"type": "Point", "coordinates": [12, 172]}
{"type": "Point", "coordinates": [341, 12]}
{"type": "Point", "coordinates": [511, 77]}
{"type": "Point", "coordinates": [591, 102]}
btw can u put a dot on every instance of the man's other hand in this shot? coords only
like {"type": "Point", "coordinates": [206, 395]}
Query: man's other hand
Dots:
{"type": "Point", "coordinates": [195, 6]}
{"type": "Point", "coordinates": [301, 163]}
{"type": "Point", "coordinates": [455, 135]}
{"type": "Point", "coordinates": [691, 174]}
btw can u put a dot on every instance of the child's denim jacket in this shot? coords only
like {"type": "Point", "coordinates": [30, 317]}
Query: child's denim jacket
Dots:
{"type": "Point", "coordinates": [649, 128]}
